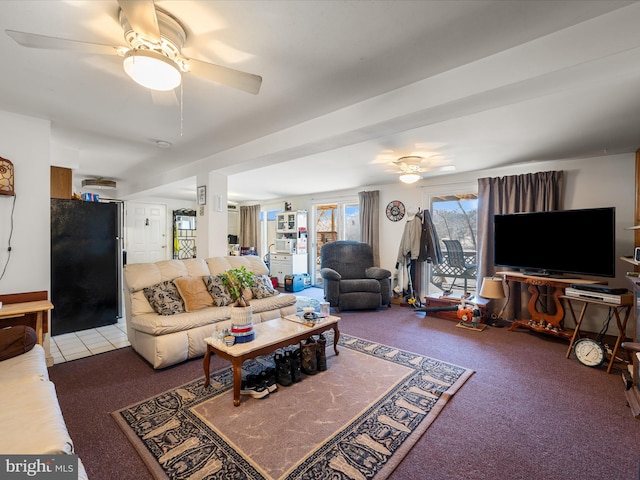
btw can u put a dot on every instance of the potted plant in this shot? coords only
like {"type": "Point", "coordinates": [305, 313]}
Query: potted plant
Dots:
{"type": "Point", "coordinates": [237, 280]}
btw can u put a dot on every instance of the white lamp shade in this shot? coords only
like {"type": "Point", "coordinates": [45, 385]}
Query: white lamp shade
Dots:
{"type": "Point", "coordinates": [492, 288]}
{"type": "Point", "coordinates": [152, 70]}
{"type": "Point", "coordinates": [409, 177]}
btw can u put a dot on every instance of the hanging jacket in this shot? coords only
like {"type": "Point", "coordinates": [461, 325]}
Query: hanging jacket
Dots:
{"type": "Point", "coordinates": [430, 250]}
{"type": "Point", "coordinates": [410, 240]}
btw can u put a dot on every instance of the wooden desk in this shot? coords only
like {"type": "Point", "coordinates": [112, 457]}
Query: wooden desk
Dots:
{"type": "Point", "coordinates": [17, 310]}
{"type": "Point", "coordinates": [541, 321]}
{"type": "Point", "coordinates": [617, 308]}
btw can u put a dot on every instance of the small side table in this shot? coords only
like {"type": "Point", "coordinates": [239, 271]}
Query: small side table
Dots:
{"type": "Point", "coordinates": [617, 308]}
{"type": "Point", "coordinates": [17, 310]}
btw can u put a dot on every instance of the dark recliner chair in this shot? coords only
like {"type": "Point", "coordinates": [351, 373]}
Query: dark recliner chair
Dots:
{"type": "Point", "coordinates": [351, 282]}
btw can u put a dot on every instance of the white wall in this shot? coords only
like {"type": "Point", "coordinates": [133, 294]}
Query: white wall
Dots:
{"type": "Point", "coordinates": [25, 141]}
{"type": "Point", "coordinates": [591, 182]}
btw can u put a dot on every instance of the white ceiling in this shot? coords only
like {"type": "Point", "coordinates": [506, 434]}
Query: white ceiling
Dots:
{"type": "Point", "coordinates": [348, 86]}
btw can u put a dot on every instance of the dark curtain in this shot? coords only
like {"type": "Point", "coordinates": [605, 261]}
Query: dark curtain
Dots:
{"type": "Point", "coordinates": [530, 192]}
{"type": "Point", "coordinates": [250, 226]}
{"type": "Point", "coordinates": [370, 222]}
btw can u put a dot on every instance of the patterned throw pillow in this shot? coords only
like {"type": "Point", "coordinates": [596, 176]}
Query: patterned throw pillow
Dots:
{"type": "Point", "coordinates": [164, 298]}
{"type": "Point", "coordinates": [220, 294]}
{"type": "Point", "coordinates": [263, 287]}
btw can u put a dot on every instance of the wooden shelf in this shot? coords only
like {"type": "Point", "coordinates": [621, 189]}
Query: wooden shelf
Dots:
{"type": "Point", "coordinates": [629, 260]}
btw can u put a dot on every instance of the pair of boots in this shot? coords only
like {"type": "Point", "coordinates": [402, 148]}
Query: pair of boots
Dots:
{"type": "Point", "coordinates": [314, 358]}
{"type": "Point", "coordinates": [288, 367]}
{"type": "Point", "coordinates": [310, 359]}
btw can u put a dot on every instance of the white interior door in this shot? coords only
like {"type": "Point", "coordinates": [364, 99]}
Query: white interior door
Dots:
{"type": "Point", "coordinates": [146, 232]}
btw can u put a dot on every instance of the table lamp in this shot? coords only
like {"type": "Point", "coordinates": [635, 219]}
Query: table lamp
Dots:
{"type": "Point", "coordinates": [493, 289]}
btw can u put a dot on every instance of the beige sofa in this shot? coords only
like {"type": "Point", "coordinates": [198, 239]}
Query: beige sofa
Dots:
{"type": "Point", "coordinates": [32, 422]}
{"type": "Point", "coordinates": [165, 340]}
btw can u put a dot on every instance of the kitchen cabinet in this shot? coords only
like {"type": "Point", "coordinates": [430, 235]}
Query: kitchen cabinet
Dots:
{"type": "Point", "coordinates": [282, 264]}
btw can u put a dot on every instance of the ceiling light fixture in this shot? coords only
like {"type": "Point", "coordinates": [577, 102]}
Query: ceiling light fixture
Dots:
{"type": "Point", "coordinates": [152, 69]}
{"type": "Point", "coordinates": [409, 166]}
{"type": "Point", "coordinates": [163, 144]}
{"type": "Point", "coordinates": [410, 177]}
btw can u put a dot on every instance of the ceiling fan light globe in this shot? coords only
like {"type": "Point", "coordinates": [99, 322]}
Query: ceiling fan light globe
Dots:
{"type": "Point", "coordinates": [409, 177]}
{"type": "Point", "coordinates": [152, 70]}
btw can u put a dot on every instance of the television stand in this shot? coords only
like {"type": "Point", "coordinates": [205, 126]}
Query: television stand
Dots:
{"type": "Point", "coordinates": [543, 322]}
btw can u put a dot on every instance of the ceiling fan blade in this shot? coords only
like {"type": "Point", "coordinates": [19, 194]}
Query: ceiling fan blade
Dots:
{"type": "Point", "coordinates": [247, 82]}
{"type": "Point", "coordinates": [166, 98]}
{"type": "Point", "coordinates": [142, 17]}
{"type": "Point", "coordinates": [31, 40]}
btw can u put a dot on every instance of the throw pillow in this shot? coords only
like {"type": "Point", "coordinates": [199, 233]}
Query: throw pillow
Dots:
{"type": "Point", "coordinates": [263, 287]}
{"type": "Point", "coordinates": [16, 340]}
{"type": "Point", "coordinates": [217, 290]}
{"type": "Point", "coordinates": [194, 293]}
{"type": "Point", "coordinates": [164, 298]}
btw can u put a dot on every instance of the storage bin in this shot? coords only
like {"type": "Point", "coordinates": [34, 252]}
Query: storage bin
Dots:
{"type": "Point", "coordinates": [293, 283]}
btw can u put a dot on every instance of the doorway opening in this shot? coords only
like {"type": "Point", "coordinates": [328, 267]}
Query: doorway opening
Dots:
{"type": "Point", "coordinates": [333, 221]}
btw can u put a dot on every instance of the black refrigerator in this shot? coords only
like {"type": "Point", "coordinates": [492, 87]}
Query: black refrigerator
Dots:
{"type": "Point", "coordinates": [86, 256]}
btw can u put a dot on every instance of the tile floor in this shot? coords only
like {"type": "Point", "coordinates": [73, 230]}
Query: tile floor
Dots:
{"type": "Point", "coordinates": [71, 346]}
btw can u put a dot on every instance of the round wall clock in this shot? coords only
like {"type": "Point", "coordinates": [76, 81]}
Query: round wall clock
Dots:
{"type": "Point", "coordinates": [395, 210]}
{"type": "Point", "coordinates": [589, 352]}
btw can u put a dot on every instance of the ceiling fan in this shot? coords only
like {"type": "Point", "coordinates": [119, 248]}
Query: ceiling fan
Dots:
{"type": "Point", "coordinates": [153, 58]}
{"type": "Point", "coordinates": [410, 167]}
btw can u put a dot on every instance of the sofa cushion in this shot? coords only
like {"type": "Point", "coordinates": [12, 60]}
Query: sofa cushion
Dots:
{"type": "Point", "coordinates": [217, 290]}
{"type": "Point", "coordinates": [263, 287]}
{"type": "Point", "coordinates": [41, 430]}
{"type": "Point", "coordinates": [250, 262]}
{"type": "Point", "coordinates": [275, 302]}
{"type": "Point", "coordinates": [164, 298]}
{"type": "Point", "coordinates": [196, 267]}
{"type": "Point", "coordinates": [170, 269]}
{"type": "Point", "coordinates": [218, 265]}
{"type": "Point", "coordinates": [140, 304]}
{"type": "Point", "coordinates": [359, 285]}
{"type": "Point", "coordinates": [194, 293]}
{"type": "Point", "coordinates": [28, 367]}
{"type": "Point", "coordinates": [155, 324]}
{"type": "Point", "coordinates": [141, 275]}
{"type": "Point", "coordinates": [16, 340]}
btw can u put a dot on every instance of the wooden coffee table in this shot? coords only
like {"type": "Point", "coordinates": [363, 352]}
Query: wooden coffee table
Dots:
{"type": "Point", "coordinates": [269, 336]}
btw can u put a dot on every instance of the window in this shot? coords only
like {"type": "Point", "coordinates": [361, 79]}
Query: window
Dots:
{"type": "Point", "coordinates": [455, 218]}
{"type": "Point", "coordinates": [333, 221]}
{"type": "Point", "coordinates": [268, 229]}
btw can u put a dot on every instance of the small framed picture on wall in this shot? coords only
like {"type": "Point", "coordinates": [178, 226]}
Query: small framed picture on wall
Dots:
{"type": "Point", "coordinates": [202, 195]}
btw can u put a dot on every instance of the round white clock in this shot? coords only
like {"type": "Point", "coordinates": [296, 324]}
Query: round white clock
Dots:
{"type": "Point", "coordinates": [589, 352]}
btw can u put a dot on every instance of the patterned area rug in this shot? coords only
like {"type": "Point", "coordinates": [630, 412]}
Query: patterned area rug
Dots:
{"type": "Point", "coordinates": [356, 420]}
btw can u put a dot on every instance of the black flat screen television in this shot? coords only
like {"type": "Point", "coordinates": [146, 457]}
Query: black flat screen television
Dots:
{"type": "Point", "coordinates": [580, 242]}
